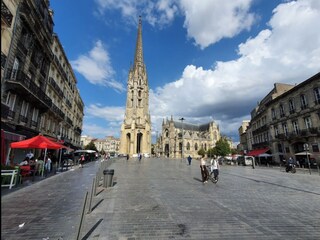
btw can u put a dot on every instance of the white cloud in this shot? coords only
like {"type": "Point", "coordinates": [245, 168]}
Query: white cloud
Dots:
{"type": "Point", "coordinates": [96, 67]}
{"type": "Point", "coordinates": [288, 52]}
{"type": "Point", "coordinates": [156, 13]}
{"type": "Point", "coordinates": [208, 21]}
{"type": "Point", "coordinates": [108, 113]}
{"type": "Point", "coordinates": [98, 131]}
{"type": "Point", "coordinates": [111, 117]}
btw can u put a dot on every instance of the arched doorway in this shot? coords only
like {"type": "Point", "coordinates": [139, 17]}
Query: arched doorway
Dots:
{"type": "Point", "coordinates": [128, 143]}
{"type": "Point", "coordinates": [139, 141]}
{"type": "Point", "coordinates": [166, 150]}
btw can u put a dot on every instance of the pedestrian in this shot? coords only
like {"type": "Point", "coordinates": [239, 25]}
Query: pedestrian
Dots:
{"type": "Point", "coordinates": [140, 156]}
{"type": "Point", "coordinates": [81, 161]}
{"type": "Point", "coordinates": [48, 164]}
{"type": "Point", "coordinates": [189, 159]}
{"type": "Point", "coordinates": [204, 170]}
{"type": "Point", "coordinates": [127, 157]}
{"type": "Point", "coordinates": [215, 168]}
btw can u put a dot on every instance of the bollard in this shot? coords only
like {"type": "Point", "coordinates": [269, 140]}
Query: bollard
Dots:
{"type": "Point", "coordinates": [108, 177]}
{"type": "Point", "coordinates": [91, 195]}
{"type": "Point", "coordinates": [109, 174]}
{"type": "Point", "coordinates": [97, 184]}
{"type": "Point", "coordinates": [82, 216]}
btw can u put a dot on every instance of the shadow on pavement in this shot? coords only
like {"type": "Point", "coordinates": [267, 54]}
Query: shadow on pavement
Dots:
{"type": "Point", "coordinates": [92, 229]}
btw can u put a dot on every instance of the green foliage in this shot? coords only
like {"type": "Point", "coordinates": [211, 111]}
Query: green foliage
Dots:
{"type": "Point", "coordinates": [91, 146]}
{"type": "Point", "coordinates": [235, 151]}
{"type": "Point", "coordinates": [202, 152]}
{"type": "Point", "coordinates": [211, 152]}
{"type": "Point", "coordinates": [222, 147]}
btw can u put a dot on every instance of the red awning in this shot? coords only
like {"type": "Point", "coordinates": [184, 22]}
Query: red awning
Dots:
{"type": "Point", "coordinates": [37, 142]}
{"type": "Point", "coordinates": [257, 152]}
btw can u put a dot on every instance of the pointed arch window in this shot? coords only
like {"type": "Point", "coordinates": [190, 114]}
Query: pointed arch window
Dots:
{"type": "Point", "coordinates": [188, 146]}
{"type": "Point", "coordinates": [196, 146]}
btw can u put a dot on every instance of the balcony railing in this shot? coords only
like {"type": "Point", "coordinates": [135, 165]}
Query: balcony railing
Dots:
{"type": "Point", "coordinates": [305, 106]}
{"type": "Point", "coordinates": [19, 77]}
{"type": "Point", "coordinates": [6, 113]}
{"type": "Point", "coordinates": [68, 120]}
{"type": "Point", "coordinates": [57, 111]}
{"type": "Point", "coordinates": [292, 111]}
{"type": "Point", "coordinates": [6, 14]}
{"type": "Point", "coordinates": [68, 103]}
{"type": "Point", "coordinates": [23, 119]}
{"type": "Point", "coordinates": [55, 86]}
{"type": "Point", "coordinates": [3, 60]}
{"type": "Point", "coordinates": [78, 130]}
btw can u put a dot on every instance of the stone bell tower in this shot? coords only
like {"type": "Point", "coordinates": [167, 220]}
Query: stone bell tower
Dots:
{"type": "Point", "coordinates": [136, 127]}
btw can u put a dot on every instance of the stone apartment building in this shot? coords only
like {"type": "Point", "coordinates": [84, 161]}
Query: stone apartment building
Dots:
{"type": "Point", "coordinates": [109, 144]}
{"type": "Point", "coordinates": [286, 123]}
{"type": "Point", "coordinates": [38, 91]}
{"type": "Point", "coordinates": [181, 139]}
{"type": "Point", "coordinates": [243, 135]}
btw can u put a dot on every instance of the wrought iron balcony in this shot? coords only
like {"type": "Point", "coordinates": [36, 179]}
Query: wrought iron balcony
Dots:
{"type": "Point", "coordinates": [57, 111]}
{"type": "Point", "coordinates": [3, 60]}
{"type": "Point", "coordinates": [23, 85]}
{"type": "Point", "coordinates": [78, 130]}
{"type": "Point", "coordinates": [68, 120]}
{"type": "Point", "coordinates": [23, 119]}
{"type": "Point", "coordinates": [292, 111]}
{"type": "Point", "coordinates": [56, 87]}
{"type": "Point", "coordinates": [6, 15]}
{"type": "Point", "coordinates": [6, 113]}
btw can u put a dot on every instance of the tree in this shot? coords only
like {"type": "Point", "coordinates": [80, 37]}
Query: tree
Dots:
{"type": "Point", "coordinates": [222, 147]}
{"type": "Point", "coordinates": [211, 152]}
{"type": "Point", "coordinates": [201, 152]}
{"type": "Point", "coordinates": [91, 146]}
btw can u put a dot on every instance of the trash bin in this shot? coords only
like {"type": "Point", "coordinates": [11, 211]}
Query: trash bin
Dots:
{"type": "Point", "coordinates": [108, 177]}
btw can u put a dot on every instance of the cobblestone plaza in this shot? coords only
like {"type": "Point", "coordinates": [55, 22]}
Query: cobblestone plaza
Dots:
{"type": "Point", "coordinates": [165, 199]}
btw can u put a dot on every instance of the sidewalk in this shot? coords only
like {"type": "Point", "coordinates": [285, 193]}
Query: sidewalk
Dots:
{"type": "Point", "coordinates": [165, 199]}
{"type": "Point", "coordinates": [30, 180]}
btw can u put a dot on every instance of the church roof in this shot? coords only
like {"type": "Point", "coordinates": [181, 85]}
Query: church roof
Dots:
{"type": "Point", "coordinates": [192, 127]}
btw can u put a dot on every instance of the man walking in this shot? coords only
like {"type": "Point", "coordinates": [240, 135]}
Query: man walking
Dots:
{"type": "Point", "coordinates": [204, 171]}
{"type": "Point", "coordinates": [189, 159]}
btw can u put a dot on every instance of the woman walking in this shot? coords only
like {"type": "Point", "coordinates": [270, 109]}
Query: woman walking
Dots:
{"type": "Point", "coordinates": [204, 171]}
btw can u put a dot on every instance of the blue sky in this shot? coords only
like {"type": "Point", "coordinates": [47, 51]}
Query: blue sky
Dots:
{"type": "Point", "coordinates": [206, 59]}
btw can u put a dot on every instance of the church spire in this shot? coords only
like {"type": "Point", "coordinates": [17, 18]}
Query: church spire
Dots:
{"type": "Point", "coordinates": [138, 58]}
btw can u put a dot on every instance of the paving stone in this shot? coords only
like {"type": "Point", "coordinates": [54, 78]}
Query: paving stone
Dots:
{"type": "Point", "coordinates": [165, 199]}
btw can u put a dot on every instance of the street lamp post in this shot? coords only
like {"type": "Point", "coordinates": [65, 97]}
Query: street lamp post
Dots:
{"type": "Point", "coordinates": [306, 148]}
{"type": "Point", "coordinates": [182, 119]}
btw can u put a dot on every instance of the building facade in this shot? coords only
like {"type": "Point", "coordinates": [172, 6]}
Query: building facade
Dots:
{"type": "Point", "coordinates": [286, 123]}
{"type": "Point", "coordinates": [109, 145]}
{"type": "Point", "coordinates": [180, 139]}
{"type": "Point", "coordinates": [135, 134]}
{"type": "Point", "coordinates": [32, 102]}
{"type": "Point", "coordinates": [243, 145]}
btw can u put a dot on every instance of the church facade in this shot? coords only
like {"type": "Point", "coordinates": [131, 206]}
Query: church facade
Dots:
{"type": "Point", "coordinates": [180, 139]}
{"type": "Point", "coordinates": [136, 128]}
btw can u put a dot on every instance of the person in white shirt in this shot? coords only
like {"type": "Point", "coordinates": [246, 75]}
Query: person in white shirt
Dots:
{"type": "Point", "coordinates": [204, 171]}
{"type": "Point", "coordinates": [215, 168]}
